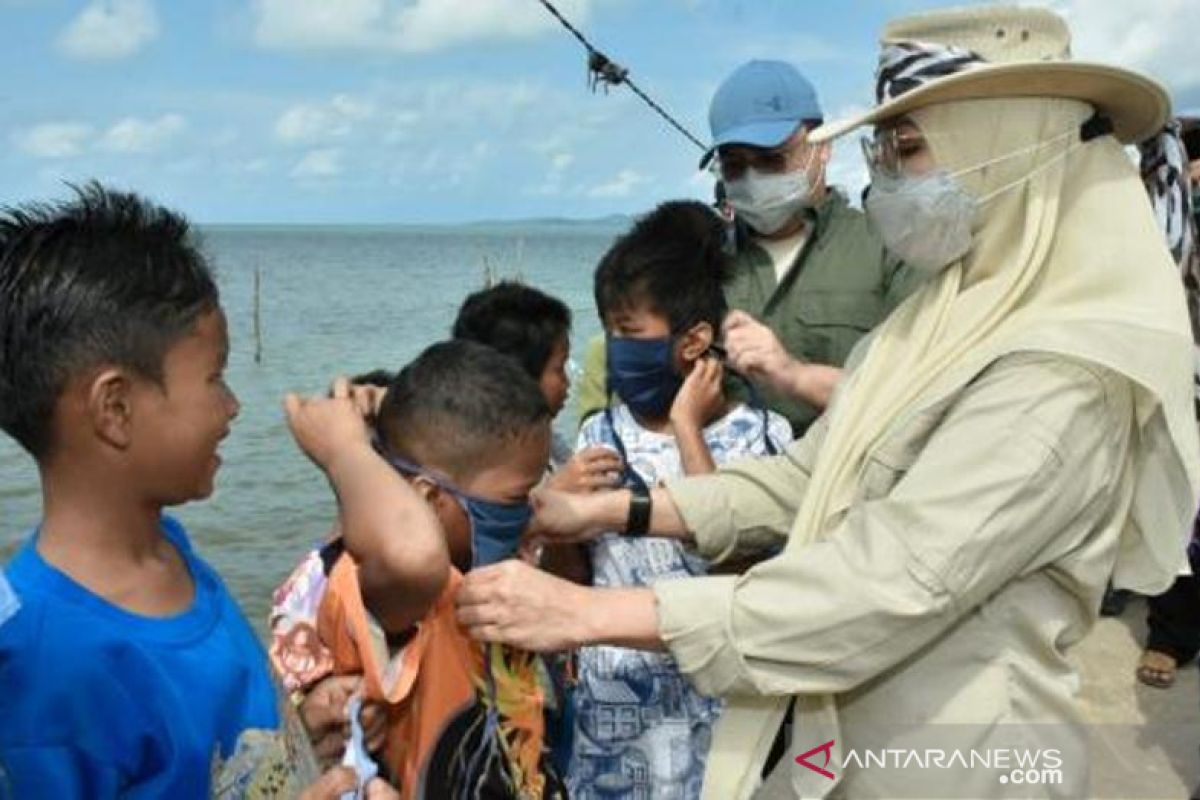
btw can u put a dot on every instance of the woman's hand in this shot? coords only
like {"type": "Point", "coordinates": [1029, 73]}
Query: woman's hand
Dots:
{"type": "Point", "coordinates": [514, 603]}
{"type": "Point", "coordinates": [568, 518]}
{"type": "Point", "coordinates": [593, 468]}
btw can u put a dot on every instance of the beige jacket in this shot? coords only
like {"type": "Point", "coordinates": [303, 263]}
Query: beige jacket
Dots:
{"type": "Point", "coordinates": [973, 558]}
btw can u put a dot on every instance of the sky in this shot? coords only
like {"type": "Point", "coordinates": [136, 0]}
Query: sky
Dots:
{"type": "Point", "coordinates": [439, 111]}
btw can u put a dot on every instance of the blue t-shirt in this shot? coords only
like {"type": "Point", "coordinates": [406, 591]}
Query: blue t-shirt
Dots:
{"type": "Point", "coordinates": [98, 702]}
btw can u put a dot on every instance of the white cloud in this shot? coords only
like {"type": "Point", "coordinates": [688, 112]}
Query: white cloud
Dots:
{"type": "Point", "coordinates": [323, 163]}
{"type": "Point", "coordinates": [302, 123]}
{"type": "Point", "coordinates": [552, 183]}
{"type": "Point", "coordinates": [133, 135]}
{"type": "Point", "coordinates": [620, 186]}
{"type": "Point", "coordinates": [1155, 36]}
{"type": "Point", "coordinates": [109, 30]}
{"type": "Point", "coordinates": [308, 122]}
{"type": "Point", "coordinates": [53, 139]}
{"type": "Point", "coordinates": [419, 26]}
{"type": "Point", "coordinates": [317, 24]}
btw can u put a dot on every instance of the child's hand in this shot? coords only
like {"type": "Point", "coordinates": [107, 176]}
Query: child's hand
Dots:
{"type": "Point", "coordinates": [331, 785]}
{"type": "Point", "coordinates": [373, 717]}
{"type": "Point", "coordinates": [367, 399]}
{"type": "Point", "coordinates": [324, 427]}
{"type": "Point", "coordinates": [595, 467]}
{"type": "Point", "coordinates": [700, 399]}
{"type": "Point", "coordinates": [340, 780]}
{"type": "Point", "coordinates": [324, 715]}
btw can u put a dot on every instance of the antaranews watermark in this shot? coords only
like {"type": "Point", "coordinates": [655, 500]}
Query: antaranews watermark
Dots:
{"type": "Point", "coordinates": [1015, 765]}
{"type": "Point", "coordinates": [1043, 760]}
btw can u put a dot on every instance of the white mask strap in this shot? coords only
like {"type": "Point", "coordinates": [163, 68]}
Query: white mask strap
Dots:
{"type": "Point", "coordinates": [1040, 167]}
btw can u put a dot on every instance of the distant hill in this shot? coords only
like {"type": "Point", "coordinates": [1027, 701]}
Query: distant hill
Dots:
{"type": "Point", "coordinates": [612, 222]}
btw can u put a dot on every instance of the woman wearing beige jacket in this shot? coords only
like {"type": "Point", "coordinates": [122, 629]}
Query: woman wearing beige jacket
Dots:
{"type": "Point", "coordinates": [1015, 434]}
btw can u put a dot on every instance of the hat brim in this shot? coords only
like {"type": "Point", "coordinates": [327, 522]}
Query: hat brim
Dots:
{"type": "Point", "coordinates": [765, 133]}
{"type": "Point", "coordinates": [1137, 105]}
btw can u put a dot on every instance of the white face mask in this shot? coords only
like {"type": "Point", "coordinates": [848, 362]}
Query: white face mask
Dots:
{"type": "Point", "coordinates": [927, 220]}
{"type": "Point", "coordinates": [767, 202]}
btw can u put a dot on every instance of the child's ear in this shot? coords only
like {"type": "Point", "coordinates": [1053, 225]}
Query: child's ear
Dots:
{"type": "Point", "coordinates": [429, 491]}
{"type": "Point", "coordinates": [110, 407]}
{"type": "Point", "coordinates": [696, 341]}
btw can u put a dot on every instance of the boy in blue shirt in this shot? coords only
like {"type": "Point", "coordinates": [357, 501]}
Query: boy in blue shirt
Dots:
{"type": "Point", "coordinates": [129, 670]}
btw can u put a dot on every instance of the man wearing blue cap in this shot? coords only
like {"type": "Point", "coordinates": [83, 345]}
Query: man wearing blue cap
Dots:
{"type": "Point", "coordinates": [811, 277]}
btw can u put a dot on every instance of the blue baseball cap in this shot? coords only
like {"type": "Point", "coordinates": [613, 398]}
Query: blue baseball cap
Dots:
{"type": "Point", "coordinates": [761, 104]}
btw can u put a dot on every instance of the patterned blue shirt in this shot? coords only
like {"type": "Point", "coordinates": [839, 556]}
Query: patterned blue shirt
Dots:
{"type": "Point", "coordinates": [641, 731]}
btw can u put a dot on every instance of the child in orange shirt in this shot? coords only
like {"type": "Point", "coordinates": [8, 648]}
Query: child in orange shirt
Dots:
{"type": "Point", "coordinates": [461, 438]}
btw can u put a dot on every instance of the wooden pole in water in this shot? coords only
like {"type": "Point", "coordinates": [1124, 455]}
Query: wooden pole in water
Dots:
{"type": "Point", "coordinates": [257, 315]}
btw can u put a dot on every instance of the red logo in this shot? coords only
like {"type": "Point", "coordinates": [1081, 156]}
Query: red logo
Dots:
{"type": "Point", "coordinates": [802, 759]}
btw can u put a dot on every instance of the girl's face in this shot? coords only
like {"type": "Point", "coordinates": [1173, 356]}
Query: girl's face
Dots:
{"type": "Point", "coordinates": [553, 381]}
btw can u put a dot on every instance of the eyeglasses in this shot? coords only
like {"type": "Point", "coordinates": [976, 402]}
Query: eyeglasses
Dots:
{"type": "Point", "coordinates": [887, 149]}
{"type": "Point", "coordinates": [733, 164]}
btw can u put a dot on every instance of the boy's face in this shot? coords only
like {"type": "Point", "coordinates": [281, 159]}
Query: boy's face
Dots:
{"type": "Point", "coordinates": [507, 477]}
{"type": "Point", "coordinates": [175, 427]}
{"type": "Point", "coordinates": [554, 382]}
{"type": "Point", "coordinates": [640, 322]}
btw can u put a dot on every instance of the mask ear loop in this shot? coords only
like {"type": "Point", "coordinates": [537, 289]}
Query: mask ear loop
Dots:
{"type": "Point", "coordinates": [992, 195]}
{"type": "Point", "coordinates": [1096, 125]}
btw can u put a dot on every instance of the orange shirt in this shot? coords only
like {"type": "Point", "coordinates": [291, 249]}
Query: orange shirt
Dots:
{"type": "Point", "coordinates": [450, 719]}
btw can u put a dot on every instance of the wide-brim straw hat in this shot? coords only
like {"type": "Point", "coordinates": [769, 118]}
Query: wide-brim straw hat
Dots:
{"type": "Point", "coordinates": [1000, 51]}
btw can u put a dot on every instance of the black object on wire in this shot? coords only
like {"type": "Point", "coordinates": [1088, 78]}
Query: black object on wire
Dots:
{"type": "Point", "coordinates": [603, 71]}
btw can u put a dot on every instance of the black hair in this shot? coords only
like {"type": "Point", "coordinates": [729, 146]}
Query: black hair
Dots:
{"type": "Point", "coordinates": [380, 378]}
{"type": "Point", "coordinates": [673, 260]}
{"type": "Point", "coordinates": [517, 320]}
{"type": "Point", "coordinates": [457, 404]}
{"type": "Point", "coordinates": [106, 277]}
{"type": "Point", "coordinates": [1191, 142]}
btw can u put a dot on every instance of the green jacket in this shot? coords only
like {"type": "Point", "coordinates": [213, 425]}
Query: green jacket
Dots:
{"type": "Point", "coordinates": [841, 286]}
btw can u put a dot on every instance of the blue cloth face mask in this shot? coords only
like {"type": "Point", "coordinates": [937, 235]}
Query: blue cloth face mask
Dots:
{"type": "Point", "coordinates": [496, 528]}
{"type": "Point", "coordinates": [642, 373]}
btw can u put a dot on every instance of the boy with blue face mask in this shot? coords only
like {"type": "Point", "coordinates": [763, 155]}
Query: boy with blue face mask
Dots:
{"type": "Point", "coordinates": [658, 292]}
{"type": "Point", "coordinates": [469, 432]}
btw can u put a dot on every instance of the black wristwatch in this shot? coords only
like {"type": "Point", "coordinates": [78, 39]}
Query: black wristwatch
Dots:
{"type": "Point", "coordinates": [638, 521]}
